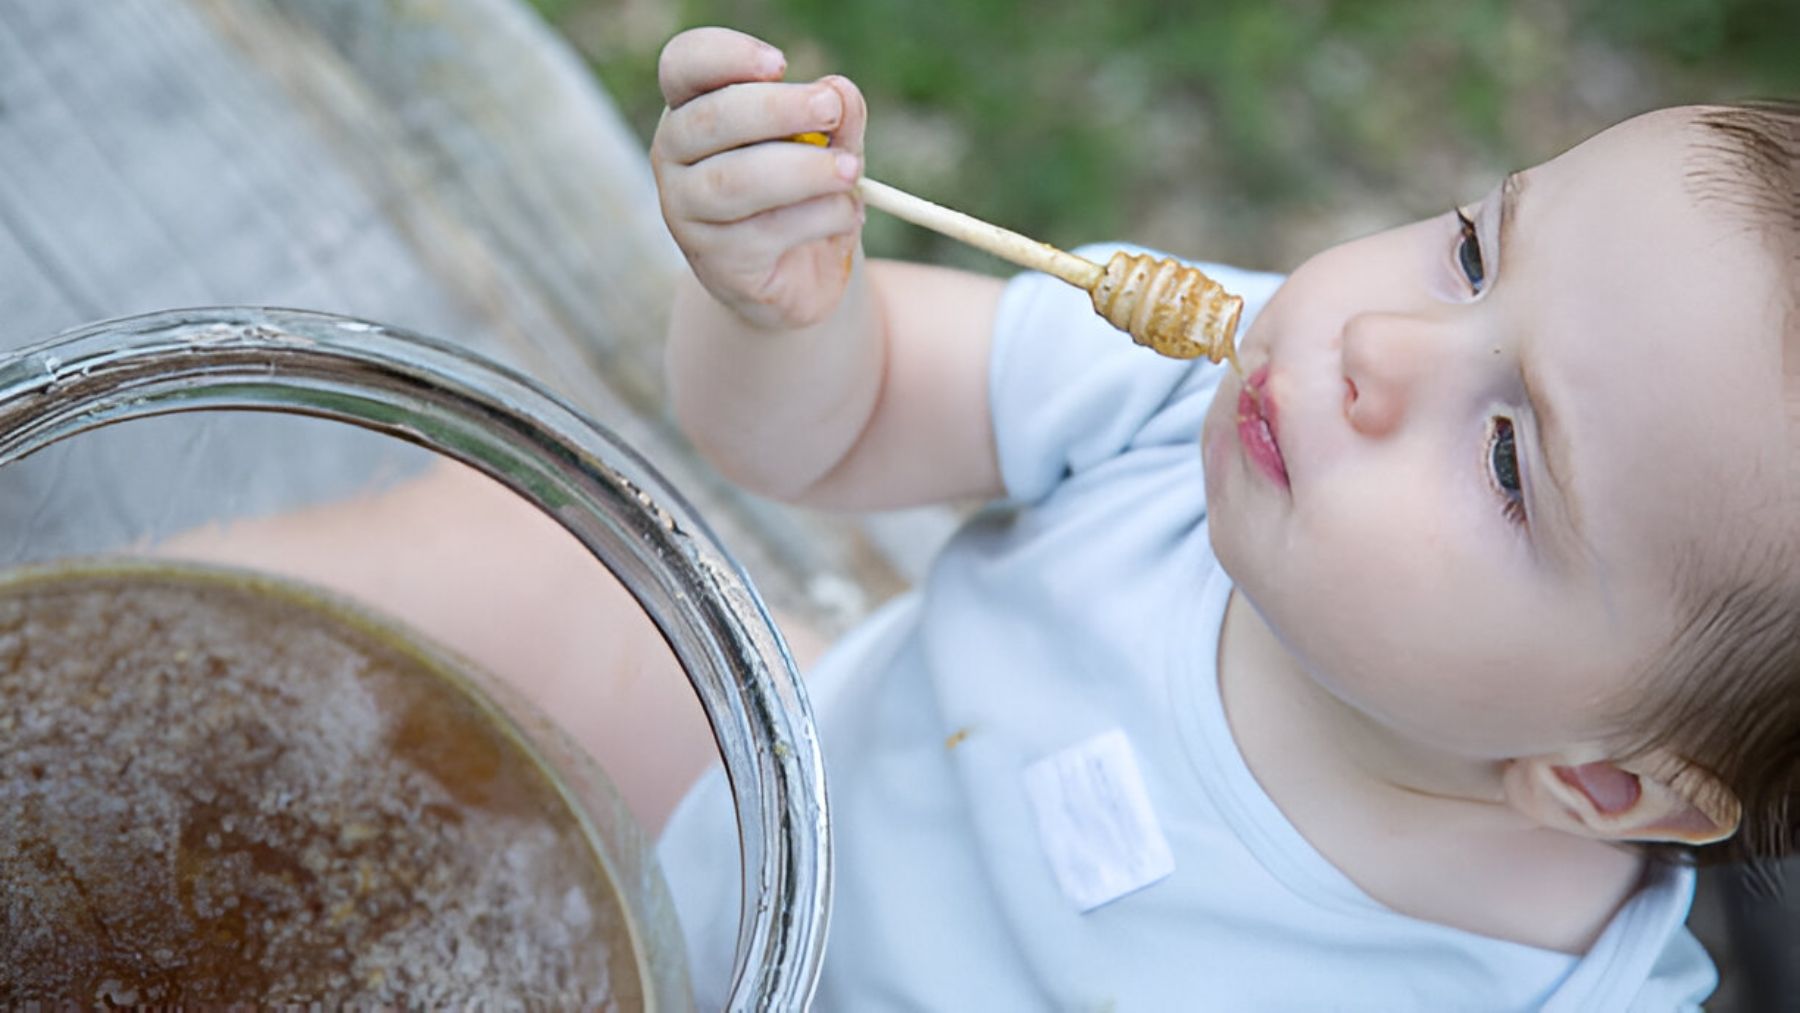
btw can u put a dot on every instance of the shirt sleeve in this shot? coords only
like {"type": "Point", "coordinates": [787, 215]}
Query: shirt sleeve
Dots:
{"type": "Point", "coordinates": [1067, 390]}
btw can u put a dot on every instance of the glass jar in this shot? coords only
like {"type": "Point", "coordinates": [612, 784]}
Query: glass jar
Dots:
{"type": "Point", "coordinates": [221, 362]}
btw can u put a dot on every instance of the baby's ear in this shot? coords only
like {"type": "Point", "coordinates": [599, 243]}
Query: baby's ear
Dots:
{"type": "Point", "coordinates": [1653, 797]}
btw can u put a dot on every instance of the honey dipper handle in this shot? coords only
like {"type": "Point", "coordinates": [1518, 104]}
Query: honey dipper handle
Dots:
{"type": "Point", "coordinates": [1007, 245]}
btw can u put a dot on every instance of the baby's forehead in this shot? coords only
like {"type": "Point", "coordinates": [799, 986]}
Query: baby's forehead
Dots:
{"type": "Point", "coordinates": [1737, 164]}
{"type": "Point", "coordinates": [1690, 212]}
{"type": "Point", "coordinates": [1744, 164]}
{"type": "Point", "coordinates": [1657, 317]}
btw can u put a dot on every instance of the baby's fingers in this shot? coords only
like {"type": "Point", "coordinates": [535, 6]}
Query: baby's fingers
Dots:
{"type": "Point", "coordinates": [745, 114]}
{"type": "Point", "coordinates": [701, 60]}
{"type": "Point", "coordinates": [737, 184]}
{"type": "Point", "coordinates": [764, 238]}
{"type": "Point", "coordinates": [855, 118]}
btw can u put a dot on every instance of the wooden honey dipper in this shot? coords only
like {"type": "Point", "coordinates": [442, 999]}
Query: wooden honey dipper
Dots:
{"type": "Point", "coordinates": [1173, 308]}
{"type": "Point", "coordinates": [1169, 306]}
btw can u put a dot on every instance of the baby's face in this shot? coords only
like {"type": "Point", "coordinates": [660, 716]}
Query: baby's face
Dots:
{"type": "Point", "coordinates": [1499, 449]}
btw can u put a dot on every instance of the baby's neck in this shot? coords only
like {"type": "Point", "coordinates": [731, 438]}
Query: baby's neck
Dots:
{"type": "Point", "coordinates": [1422, 830]}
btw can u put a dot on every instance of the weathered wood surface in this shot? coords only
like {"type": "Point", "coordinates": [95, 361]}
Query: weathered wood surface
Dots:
{"type": "Point", "coordinates": [442, 165]}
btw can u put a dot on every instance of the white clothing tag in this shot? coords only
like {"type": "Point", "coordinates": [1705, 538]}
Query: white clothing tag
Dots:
{"type": "Point", "coordinates": [1095, 821]}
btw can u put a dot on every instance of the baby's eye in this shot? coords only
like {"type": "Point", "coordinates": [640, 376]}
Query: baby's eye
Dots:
{"type": "Point", "coordinates": [1503, 469]}
{"type": "Point", "coordinates": [1468, 254]}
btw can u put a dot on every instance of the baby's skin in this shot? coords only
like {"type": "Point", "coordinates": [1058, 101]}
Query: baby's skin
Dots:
{"type": "Point", "coordinates": [1451, 488]}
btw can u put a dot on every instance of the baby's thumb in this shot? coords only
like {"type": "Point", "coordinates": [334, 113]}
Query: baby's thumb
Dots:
{"type": "Point", "coordinates": [849, 134]}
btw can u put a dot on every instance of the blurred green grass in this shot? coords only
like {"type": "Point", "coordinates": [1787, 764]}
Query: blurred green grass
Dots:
{"type": "Point", "coordinates": [1254, 131]}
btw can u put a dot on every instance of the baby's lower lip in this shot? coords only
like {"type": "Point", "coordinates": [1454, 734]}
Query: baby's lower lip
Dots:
{"type": "Point", "coordinates": [1256, 428]}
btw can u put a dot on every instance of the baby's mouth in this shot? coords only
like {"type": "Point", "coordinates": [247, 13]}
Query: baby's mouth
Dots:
{"type": "Point", "coordinates": [1256, 426]}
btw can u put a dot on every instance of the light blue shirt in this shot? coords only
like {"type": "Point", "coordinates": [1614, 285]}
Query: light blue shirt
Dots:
{"type": "Point", "coordinates": [1091, 603]}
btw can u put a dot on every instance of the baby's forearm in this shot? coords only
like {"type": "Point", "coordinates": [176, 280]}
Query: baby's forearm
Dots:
{"type": "Point", "coordinates": [775, 410]}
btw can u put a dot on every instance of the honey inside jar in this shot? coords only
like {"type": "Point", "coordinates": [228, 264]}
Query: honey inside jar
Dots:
{"type": "Point", "coordinates": [216, 786]}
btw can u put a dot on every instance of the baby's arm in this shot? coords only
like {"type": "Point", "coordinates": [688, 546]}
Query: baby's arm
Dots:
{"type": "Point", "coordinates": [801, 370]}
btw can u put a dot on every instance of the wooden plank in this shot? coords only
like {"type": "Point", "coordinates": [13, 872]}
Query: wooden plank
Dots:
{"type": "Point", "coordinates": [120, 193]}
{"type": "Point", "coordinates": [443, 166]}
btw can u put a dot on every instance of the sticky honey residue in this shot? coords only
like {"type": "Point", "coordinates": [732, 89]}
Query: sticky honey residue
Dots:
{"type": "Point", "coordinates": [212, 790]}
{"type": "Point", "coordinates": [1175, 309]}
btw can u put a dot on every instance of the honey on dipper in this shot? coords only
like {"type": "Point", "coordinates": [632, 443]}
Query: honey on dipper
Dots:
{"type": "Point", "coordinates": [1172, 308]}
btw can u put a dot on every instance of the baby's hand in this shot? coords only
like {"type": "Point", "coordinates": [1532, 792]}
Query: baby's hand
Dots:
{"type": "Point", "coordinates": [768, 225]}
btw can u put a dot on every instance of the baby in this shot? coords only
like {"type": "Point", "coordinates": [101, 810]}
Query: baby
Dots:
{"type": "Point", "coordinates": [1473, 606]}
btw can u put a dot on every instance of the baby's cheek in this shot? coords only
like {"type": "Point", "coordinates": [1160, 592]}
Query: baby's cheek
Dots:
{"type": "Point", "coordinates": [1376, 560]}
{"type": "Point", "coordinates": [1359, 519]}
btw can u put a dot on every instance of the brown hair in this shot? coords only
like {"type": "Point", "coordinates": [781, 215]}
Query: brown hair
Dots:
{"type": "Point", "coordinates": [1727, 694]}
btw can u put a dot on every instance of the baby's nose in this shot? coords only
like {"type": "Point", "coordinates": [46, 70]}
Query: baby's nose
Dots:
{"type": "Point", "coordinates": [1387, 358]}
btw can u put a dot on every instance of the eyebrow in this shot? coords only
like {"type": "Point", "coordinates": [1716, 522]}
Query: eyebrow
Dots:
{"type": "Point", "coordinates": [1552, 440]}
